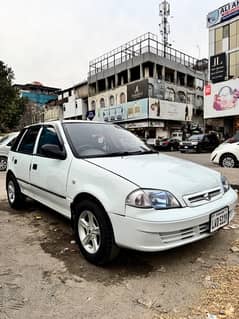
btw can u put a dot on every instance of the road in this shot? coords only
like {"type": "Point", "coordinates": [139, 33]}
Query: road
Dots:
{"type": "Point", "coordinates": [42, 274]}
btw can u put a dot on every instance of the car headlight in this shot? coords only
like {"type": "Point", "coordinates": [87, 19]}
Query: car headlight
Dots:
{"type": "Point", "coordinates": [225, 184]}
{"type": "Point", "coordinates": [157, 199]}
{"type": "Point", "coordinates": [194, 143]}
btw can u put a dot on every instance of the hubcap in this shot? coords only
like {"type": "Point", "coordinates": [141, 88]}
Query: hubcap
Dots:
{"type": "Point", "coordinates": [11, 192]}
{"type": "Point", "coordinates": [228, 162]}
{"type": "Point", "coordinates": [3, 164]}
{"type": "Point", "coordinates": [89, 232]}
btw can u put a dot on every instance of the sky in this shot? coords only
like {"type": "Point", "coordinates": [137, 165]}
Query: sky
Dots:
{"type": "Point", "coordinates": [52, 41]}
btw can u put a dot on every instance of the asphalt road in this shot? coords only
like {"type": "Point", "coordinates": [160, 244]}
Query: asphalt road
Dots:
{"type": "Point", "coordinates": [43, 275]}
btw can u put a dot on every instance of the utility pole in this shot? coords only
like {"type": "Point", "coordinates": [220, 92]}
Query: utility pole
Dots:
{"type": "Point", "coordinates": [164, 26]}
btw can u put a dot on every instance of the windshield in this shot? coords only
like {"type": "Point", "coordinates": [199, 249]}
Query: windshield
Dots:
{"type": "Point", "coordinates": [198, 137]}
{"type": "Point", "coordinates": [102, 140]}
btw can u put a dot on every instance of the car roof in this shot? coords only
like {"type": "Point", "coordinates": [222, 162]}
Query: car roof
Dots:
{"type": "Point", "coordinates": [67, 121]}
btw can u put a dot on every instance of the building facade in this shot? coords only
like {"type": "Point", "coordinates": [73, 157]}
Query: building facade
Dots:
{"type": "Point", "coordinates": [147, 87]}
{"type": "Point", "coordinates": [222, 91]}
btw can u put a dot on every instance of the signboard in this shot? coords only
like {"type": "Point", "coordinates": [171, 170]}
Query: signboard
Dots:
{"type": "Point", "coordinates": [137, 90]}
{"type": "Point", "coordinates": [218, 67]}
{"type": "Point", "coordinates": [128, 111]}
{"type": "Point", "coordinates": [223, 100]}
{"type": "Point", "coordinates": [224, 13]}
{"type": "Point", "coordinates": [166, 110]}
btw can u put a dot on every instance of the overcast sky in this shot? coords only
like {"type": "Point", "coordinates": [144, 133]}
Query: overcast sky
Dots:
{"type": "Point", "coordinates": [52, 41]}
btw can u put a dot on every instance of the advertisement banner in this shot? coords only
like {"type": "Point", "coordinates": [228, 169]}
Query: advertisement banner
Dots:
{"type": "Point", "coordinates": [223, 100]}
{"type": "Point", "coordinates": [129, 111]}
{"type": "Point", "coordinates": [218, 67]}
{"type": "Point", "coordinates": [166, 110]}
{"type": "Point", "coordinates": [224, 13]}
{"type": "Point", "coordinates": [137, 90]}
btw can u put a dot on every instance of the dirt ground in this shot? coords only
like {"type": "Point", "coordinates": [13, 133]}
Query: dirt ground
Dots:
{"type": "Point", "coordinates": [42, 274]}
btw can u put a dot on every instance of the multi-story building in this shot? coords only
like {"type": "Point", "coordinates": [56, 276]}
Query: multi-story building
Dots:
{"type": "Point", "coordinates": [37, 96]}
{"type": "Point", "coordinates": [74, 101]}
{"type": "Point", "coordinates": [222, 91]}
{"type": "Point", "coordinates": [147, 87]}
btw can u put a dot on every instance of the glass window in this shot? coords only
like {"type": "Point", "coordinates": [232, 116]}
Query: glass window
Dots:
{"type": "Point", "coordinates": [28, 142]}
{"type": "Point", "coordinates": [225, 31]}
{"type": "Point", "coordinates": [48, 136]}
{"type": "Point", "coordinates": [234, 64]}
{"type": "Point", "coordinates": [93, 105]}
{"type": "Point", "coordinates": [102, 102]}
{"type": "Point", "coordinates": [219, 34]}
{"type": "Point", "coordinates": [122, 98]}
{"type": "Point", "coordinates": [218, 47]}
{"type": "Point", "coordinates": [233, 29]}
{"type": "Point", "coordinates": [233, 42]}
{"type": "Point", "coordinates": [182, 97]}
{"type": "Point", "coordinates": [170, 95]}
{"type": "Point", "coordinates": [112, 100]}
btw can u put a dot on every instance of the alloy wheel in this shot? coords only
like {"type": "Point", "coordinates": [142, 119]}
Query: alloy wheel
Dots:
{"type": "Point", "coordinates": [11, 191]}
{"type": "Point", "coordinates": [3, 164]}
{"type": "Point", "coordinates": [228, 162]}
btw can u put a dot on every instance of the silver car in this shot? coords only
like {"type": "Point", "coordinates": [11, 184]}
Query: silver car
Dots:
{"type": "Point", "coordinates": [5, 144]}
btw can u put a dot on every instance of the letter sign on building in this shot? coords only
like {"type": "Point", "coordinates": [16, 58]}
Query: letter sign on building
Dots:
{"type": "Point", "coordinates": [218, 67]}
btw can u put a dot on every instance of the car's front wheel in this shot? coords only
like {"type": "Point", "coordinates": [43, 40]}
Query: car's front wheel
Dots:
{"type": "Point", "coordinates": [15, 197]}
{"type": "Point", "coordinates": [228, 161]}
{"type": "Point", "coordinates": [3, 163]}
{"type": "Point", "coordinates": [94, 233]}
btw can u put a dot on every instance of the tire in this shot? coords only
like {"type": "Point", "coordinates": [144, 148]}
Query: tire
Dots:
{"type": "Point", "coordinates": [3, 163]}
{"type": "Point", "coordinates": [228, 161]}
{"type": "Point", "coordinates": [171, 148]}
{"type": "Point", "coordinates": [94, 233]}
{"type": "Point", "coordinates": [15, 197]}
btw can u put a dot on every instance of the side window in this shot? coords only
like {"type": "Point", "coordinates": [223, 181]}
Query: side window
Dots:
{"type": "Point", "coordinates": [48, 136]}
{"type": "Point", "coordinates": [11, 142]}
{"type": "Point", "coordinates": [28, 142]}
{"type": "Point", "coordinates": [17, 140]}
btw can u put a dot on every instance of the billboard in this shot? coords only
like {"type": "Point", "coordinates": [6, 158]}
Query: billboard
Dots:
{"type": "Point", "coordinates": [222, 99]}
{"type": "Point", "coordinates": [137, 90]}
{"type": "Point", "coordinates": [224, 13]}
{"type": "Point", "coordinates": [218, 67]}
{"type": "Point", "coordinates": [135, 110]}
{"type": "Point", "coordinates": [166, 110]}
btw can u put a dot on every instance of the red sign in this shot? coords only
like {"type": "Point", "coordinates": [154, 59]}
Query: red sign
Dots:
{"type": "Point", "coordinates": [208, 90]}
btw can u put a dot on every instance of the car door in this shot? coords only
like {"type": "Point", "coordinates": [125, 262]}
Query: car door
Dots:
{"type": "Point", "coordinates": [21, 157]}
{"type": "Point", "coordinates": [48, 175]}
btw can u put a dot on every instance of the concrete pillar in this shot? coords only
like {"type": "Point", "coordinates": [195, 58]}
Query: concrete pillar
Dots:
{"type": "Point", "coordinates": [106, 84]}
{"type": "Point", "coordinates": [163, 73]}
{"type": "Point", "coordinates": [141, 72]}
{"type": "Point", "coordinates": [155, 75]}
{"type": "Point", "coordinates": [175, 77]}
{"type": "Point", "coordinates": [129, 75]}
{"type": "Point", "coordinates": [186, 80]}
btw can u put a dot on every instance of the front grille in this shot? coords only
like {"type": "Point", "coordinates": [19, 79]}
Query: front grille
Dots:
{"type": "Point", "coordinates": [203, 198]}
{"type": "Point", "coordinates": [177, 236]}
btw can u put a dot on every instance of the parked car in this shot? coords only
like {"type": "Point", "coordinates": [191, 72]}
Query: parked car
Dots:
{"type": "Point", "coordinates": [226, 155]}
{"type": "Point", "coordinates": [167, 144]}
{"type": "Point", "coordinates": [116, 191]}
{"type": "Point", "coordinates": [200, 143]}
{"type": "Point", "coordinates": [5, 145]}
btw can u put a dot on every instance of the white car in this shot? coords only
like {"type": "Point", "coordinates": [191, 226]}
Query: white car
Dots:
{"type": "Point", "coordinates": [5, 144]}
{"type": "Point", "coordinates": [116, 191]}
{"type": "Point", "coordinates": [226, 155]}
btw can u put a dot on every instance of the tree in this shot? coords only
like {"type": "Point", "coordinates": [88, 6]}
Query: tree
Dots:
{"type": "Point", "coordinates": [11, 104]}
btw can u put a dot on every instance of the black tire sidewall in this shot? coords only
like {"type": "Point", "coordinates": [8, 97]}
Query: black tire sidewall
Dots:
{"type": "Point", "coordinates": [104, 254]}
{"type": "Point", "coordinates": [19, 198]}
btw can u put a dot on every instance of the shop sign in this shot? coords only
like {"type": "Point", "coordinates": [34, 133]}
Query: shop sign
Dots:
{"type": "Point", "coordinates": [137, 90]}
{"type": "Point", "coordinates": [166, 110]}
{"type": "Point", "coordinates": [224, 13]}
{"type": "Point", "coordinates": [223, 101]}
{"type": "Point", "coordinates": [208, 90]}
{"type": "Point", "coordinates": [218, 67]}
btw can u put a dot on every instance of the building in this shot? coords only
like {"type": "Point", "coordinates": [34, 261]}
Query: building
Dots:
{"type": "Point", "coordinates": [222, 91]}
{"type": "Point", "coordinates": [74, 101]}
{"type": "Point", "coordinates": [37, 96]}
{"type": "Point", "coordinates": [147, 87]}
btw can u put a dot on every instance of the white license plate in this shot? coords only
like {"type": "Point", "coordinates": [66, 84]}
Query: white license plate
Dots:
{"type": "Point", "coordinates": [219, 220]}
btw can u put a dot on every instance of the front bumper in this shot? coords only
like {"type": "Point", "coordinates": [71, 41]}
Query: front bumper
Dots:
{"type": "Point", "coordinates": [188, 148]}
{"type": "Point", "coordinates": [151, 230]}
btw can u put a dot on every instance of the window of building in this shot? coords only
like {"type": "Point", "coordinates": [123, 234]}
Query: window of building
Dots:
{"type": "Point", "coordinates": [182, 97]}
{"type": "Point", "coordinates": [102, 102]}
{"type": "Point", "coordinates": [225, 31]}
{"type": "Point", "coordinates": [234, 35]}
{"type": "Point", "coordinates": [234, 64]}
{"type": "Point", "coordinates": [218, 40]}
{"type": "Point", "coordinates": [170, 95]}
{"type": "Point", "coordinates": [122, 98]}
{"type": "Point", "coordinates": [112, 100]}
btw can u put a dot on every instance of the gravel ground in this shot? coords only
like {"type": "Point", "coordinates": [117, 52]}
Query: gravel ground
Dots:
{"type": "Point", "coordinates": [42, 274]}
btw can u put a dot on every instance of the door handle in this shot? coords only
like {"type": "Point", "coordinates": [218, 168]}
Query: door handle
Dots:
{"type": "Point", "coordinates": [15, 161]}
{"type": "Point", "coordinates": [34, 166]}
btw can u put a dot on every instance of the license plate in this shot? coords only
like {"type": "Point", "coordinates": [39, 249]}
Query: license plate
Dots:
{"type": "Point", "coordinates": [185, 146]}
{"type": "Point", "coordinates": [219, 220]}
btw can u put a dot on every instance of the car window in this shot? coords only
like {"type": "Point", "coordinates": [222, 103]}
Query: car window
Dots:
{"type": "Point", "coordinates": [48, 136]}
{"type": "Point", "coordinates": [11, 142]}
{"type": "Point", "coordinates": [28, 142]}
{"type": "Point", "coordinates": [17, 140]}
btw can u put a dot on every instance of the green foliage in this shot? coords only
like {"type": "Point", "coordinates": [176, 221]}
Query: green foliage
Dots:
{"type": "Point", "coordinates": [11, 104]}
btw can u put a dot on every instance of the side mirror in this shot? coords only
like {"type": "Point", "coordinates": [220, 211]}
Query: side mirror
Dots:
{"type": "Point", "coordinates": [53, 151]}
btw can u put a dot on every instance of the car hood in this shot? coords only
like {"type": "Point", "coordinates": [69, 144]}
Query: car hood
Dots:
{"type": "Point", "coordinates": [158, 171]}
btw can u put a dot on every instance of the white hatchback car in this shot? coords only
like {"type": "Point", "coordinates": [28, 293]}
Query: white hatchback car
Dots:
{"type": "Point", "coordinates": [116, 191]}
{"type": "Point", "coordinates": [5, 144]}
{"type": "Point", "coordinates": [226, 155]}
